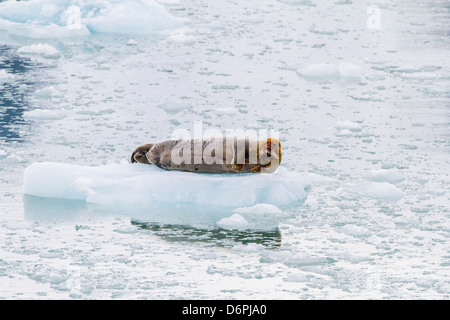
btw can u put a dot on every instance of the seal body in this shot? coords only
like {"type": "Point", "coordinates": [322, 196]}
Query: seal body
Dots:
{"type": "Point", "coordinates": [212, 155]}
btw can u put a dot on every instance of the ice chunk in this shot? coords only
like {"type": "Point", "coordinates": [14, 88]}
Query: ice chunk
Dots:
{"type": "Point", "coordinates": [5, 76]}
{"type": "Point", "coordinates": [236, 221]}
{"type": "Point", "coordinates": [355, 231]}
{"type": "Point", "coordinates": [131, 184]}
{"type": "Point", "coordinates": [248, 248]}
{"type": "Point", "coordinates": [319, 70]}
{"type": "Point", "coordinates": [293, 259]}
{"type": "Point", "coordinates": [349, 125]}
{"type": "Point", "coordinates": [19, 225]}
{"type": "Point", "coordinates": [296, 277]}
{"type": "Point", "coordinates": [132, 42]}
{"type": "Point", "coordinates": [44, 114]}
{"type": "Point", "coordinates": [262, 215]}
{"type": "Point", "coordinates": [297, 2]}
{"type": "Point", "coordinates": [384, 175]}
{"type": "Point", "coordinates": [350, 70]}
{"type": "Point", "coordinates": [129, 17]}
{"type": "Point", "coordinates": [46, 93]}
{"type": "Point", "coordinates": [226, 111]}
{"type": "Point", "coordinates": [262, 208]}
{"type": "Point", "coordinates": [42, 49]}
{"type": "Point", "coordinates": [313, 179]}
{"type": "Point", "coordinates": [64, 18]}
{"type": "Point", "coordinates": [174, 107]}
{"type": "Point", "coordinates": [330, 71]}
{"type": "Point", "coordinates": [377, 190]}
{"type": "Point", "coordinates": [181, 37]}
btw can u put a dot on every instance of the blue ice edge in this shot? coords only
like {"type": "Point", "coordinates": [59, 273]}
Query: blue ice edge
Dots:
{"type": "Point", "coordinates": [147, 193]}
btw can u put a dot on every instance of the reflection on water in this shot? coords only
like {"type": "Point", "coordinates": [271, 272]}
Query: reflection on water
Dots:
{"type": "Point", "coordinates": [39, 209]}
{"type": "Point", "coordinates": [14, 93]}
{"type": "Point", "coordinates": [217, 236]}
{"type": "Point", "coordinates": [46, 209]}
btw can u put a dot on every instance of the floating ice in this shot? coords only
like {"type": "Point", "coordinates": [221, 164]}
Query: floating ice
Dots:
{"type": "Point", "coordinates": [5, 76]}
{"type": "Point", "coordinates": [44, 114]}
{"type": "Point", "coordinates": [377, 190]}
{"type": "Point", "coordinates": [248, 248]}
{"type": "Point", "coordinates": [181, 37]}
{"type": "Point", "coordinates": [51, 19]}
{"type": "Point", "coordinates": [132, 42]}
{"type": "Point", "coordinates": [125, 185]}
{"type": "Point", "coordinates": [384, 175]}
{"type": "Point", "coordinates": [225, 111]}
{"type": "Point", "coordinates": [236, 221]}
{"type": "Point", "coordinates": [330, 71]}
{"type": "Point", "coordinates": [355, 231]}
{"type": "Point", "coordinates": [319, 70]}
{"type": "Point", "coordinates": [297, 2]}
{"type": "Point", "coordinates": [313, 179]}
{"type": "Point", "coordinates": [41, 49]}
{"type": "Point", "coordinates": [261, 208]}
{"type": "Point", "coordinates": [46, 93]}
{"type": "Point", "coordinates": [174, 107]}
{"type": "Point", "coordinates": [296, 277]}
{"type": "Point", "coordinates": [349, 125]}
{"type": "Point", "coordinates": [19, 225]}
{"type": "Point", "coordinates": [292, 259]}
{"type": "Point", "coordinates": [350, 70]}
{"type": "Point", "coordinates": [261, 216]}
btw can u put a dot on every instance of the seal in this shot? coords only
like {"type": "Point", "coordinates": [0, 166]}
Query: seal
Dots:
{"type": "Point", "coordinates": [212, 155]}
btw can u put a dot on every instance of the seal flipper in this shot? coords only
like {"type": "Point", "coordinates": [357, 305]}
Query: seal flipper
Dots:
{"type": "Point", "coordinates": [139, 155]}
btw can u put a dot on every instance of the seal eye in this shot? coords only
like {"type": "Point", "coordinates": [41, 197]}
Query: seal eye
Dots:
{"type": "Point", "coordinates": [269, 151]}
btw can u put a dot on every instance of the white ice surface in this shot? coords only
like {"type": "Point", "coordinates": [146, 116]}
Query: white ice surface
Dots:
{"type": "Point", "coordinates": [66, 18]}
{"type": "Point", "coordinates": [43, 114]}
{"type": "Point", "coordinates": [330, 71]}
{"type": "Point", "coordinates": [376, 190]}
{"type": "Point", "coordinates": [42, 49]}
{"type": "Point", "coordinates": [125, 184]}
{"type": "Point", "coordinates": [385, 175]}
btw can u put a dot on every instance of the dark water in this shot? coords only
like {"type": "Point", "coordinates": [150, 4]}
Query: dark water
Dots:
{"type": "Point", "coordinates": [14, 95]}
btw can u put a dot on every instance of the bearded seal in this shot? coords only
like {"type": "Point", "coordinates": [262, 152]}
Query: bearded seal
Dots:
{"type": "Point", "coordinates": [212, 155]}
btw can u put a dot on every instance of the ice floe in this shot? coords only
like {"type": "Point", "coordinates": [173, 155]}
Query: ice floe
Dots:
{"type": "Point", "coordinates": [330, 71]}
{"type": "Point", "coordinates": [147, 185]}
{"type": "Point", "coordinates": [41, 49]}
{"type": "Point", "coordinates": [384, 175]}
{"type": "Point", "coordinates": [44, 114]}
{"type": "Point", "coordinates": [376, 190]}
{"type": "Point", "coordinates": [67, 18]}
